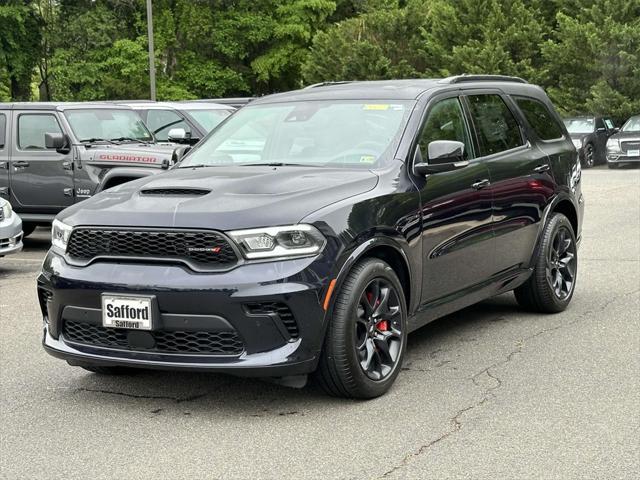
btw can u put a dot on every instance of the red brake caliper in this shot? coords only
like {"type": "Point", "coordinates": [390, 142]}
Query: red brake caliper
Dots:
{"type": "Point", "coordinates": [382, 325]}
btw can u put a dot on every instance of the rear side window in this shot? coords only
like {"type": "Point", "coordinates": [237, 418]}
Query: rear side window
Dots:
{"type": "Point", "coordinates": [3, 130]}
{"type": "Point", "coordinates": [496, 126]}
{"type": "Point", "coordinates": [540, 118]}
{"type": "Point", "coordinates": [31, 130]}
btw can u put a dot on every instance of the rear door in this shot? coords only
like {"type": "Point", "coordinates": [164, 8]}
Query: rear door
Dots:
{"type": "Point", "coordinates": [521, 179]}
{"type": "Point", "coordinates": [4, 154]}
{"type": "Point", "coordinates": [41, 179]}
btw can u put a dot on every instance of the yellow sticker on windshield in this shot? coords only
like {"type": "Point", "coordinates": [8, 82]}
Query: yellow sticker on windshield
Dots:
{"type": "Point", "coordinates": [367, 159]}
{"type": "Point", "coordinates": [376, 106]}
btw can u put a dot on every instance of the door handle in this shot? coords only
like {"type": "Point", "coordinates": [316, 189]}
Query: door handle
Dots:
{"type": "Point", "coordinates": [542, 168]}
{"type": "Point", "coordinates": [481, 184]}
{"type": "Point", "coordinates": [20, 164]}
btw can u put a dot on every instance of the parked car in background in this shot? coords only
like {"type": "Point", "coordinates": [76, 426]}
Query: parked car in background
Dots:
{"type": "Point", "coordinates": [181, 122]}
{"type": "Point", "coordinates": [624, 146]}
{"type": "Point", "coordinates": [53, 155]}
{"type": "Point", "coordinates": [237, 102]}
{"type": "Point", "coordinates": [10, 229]}
{"type": "Point", "coordinates": [589, 135]}
{"type": "Point", "coordinates": [313, 230]}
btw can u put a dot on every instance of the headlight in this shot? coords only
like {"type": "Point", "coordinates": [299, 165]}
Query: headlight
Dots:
{"type": "Point", "coordinates": [6, 210]}
{"type": "Point", "coordinates": [613, 144]}
{"type": "Point", "coordinates": [577, 142]}
{"type": "Point", "coordinates": [60, 233]}
{"type": "Point", "coordinates": [270, 242]}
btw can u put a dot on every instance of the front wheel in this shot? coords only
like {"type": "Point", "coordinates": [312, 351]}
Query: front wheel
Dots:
{"type": "Point", "coordinates": [367, 333]}
{"type": "Point", "coordinates": [551, 285]}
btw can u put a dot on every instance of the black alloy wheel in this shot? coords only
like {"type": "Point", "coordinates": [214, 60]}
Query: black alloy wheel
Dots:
{"type": "Point", "coordinates": [366, 335]}
{"type": "Point", "coordinates": [550, 287]}
{"type": "Point", "coordinates": [589, 156]}
{"type": "Point", "coordinates": [378, 337]}
{"type": "Point", "coordinates": [561, 261]}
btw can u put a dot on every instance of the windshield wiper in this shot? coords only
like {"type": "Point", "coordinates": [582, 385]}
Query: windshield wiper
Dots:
{"type": "Point", "coordinates": [95, 140]}
{"type": "Point", "coordinates": [199, 165]}
{"type": "Point", "coordinates": [129, 139]}
{"type": "Point", "coordinates": [277, 164]}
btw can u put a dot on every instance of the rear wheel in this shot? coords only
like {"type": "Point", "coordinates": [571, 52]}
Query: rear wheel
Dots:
{"type": "Point", "coordinates": [551, 285]}
{"type": "Point", "coordinates": [589, 156]}
{"type": "Point", "coordinates": [28, 229]}
{"type": "Point", "coordinates": [366, 336]}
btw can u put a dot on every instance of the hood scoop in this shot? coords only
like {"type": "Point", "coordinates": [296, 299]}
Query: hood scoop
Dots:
{"type": "Point", "coordinates": [182, 192]}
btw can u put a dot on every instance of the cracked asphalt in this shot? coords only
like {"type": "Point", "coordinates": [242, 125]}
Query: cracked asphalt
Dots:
{"type": "Point", "coordinates": [489, 392]}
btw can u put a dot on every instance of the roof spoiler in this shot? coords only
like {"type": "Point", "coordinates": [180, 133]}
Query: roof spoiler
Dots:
{"type": "Point", "coordinates": [481, 78]}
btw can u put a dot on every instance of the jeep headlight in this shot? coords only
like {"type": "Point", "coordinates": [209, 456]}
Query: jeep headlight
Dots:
{"type": "Point", "coordinates": [60, 233]}
{"type": "Point", "coordinates": [613, 145]}
{"type": "Point", "coordinates": [6, 210]}
{"type": "Point", "coordinates": [577, 142]}
{"type": "Point", "coordinates": [287, 241]}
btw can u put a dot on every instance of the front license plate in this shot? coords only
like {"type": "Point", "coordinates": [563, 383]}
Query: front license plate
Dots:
{"type": "Point", "coordinates": [134, 313]}
{"type": "Point", "coordinates": [633, 153]}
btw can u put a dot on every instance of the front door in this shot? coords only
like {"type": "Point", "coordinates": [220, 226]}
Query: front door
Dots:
{"type": "Point", "coordinates": [458, 247]}
{"type": "Point", "coordinates": [4, 154]}
{"type": "Point", "coordinates": [41, 179]}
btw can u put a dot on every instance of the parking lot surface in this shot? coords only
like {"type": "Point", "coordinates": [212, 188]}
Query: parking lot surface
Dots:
{"type": "Point", "coordinates": [489, 392]}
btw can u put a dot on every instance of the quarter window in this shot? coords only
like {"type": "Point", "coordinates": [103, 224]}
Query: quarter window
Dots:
{"type": "Point", "coordinates": [540, 118]}
{"type": "Point", "coordinates": [496, 126]}
{"type": "Point", "coordinates": [445, 122]}
{"type": "Point", "coordinates": [161, 121]}
{"type": "Point", "coordinates": [31, 130]}
{"type": "Point", "coordinates": [3, 130]}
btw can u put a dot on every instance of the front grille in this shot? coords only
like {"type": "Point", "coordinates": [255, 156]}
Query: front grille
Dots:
{"type": "Point", "coordinates": [1, 215]}
{"type": "Point", "coordinates": [202, 342]}
{"type": "Point", "coordinates": [200, 249]}
{"type": "Point", "coordinates": [175, 191]}
{"type": "Point", "coordinates": [626, 146]}
{"type": "Point", "coordinates": [281, 310]}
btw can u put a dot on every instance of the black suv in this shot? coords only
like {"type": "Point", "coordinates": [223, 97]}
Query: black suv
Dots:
{"type": "Point", "coordinates": [589, 135]}
{"type": "Point", "coordinates": [313, 230]}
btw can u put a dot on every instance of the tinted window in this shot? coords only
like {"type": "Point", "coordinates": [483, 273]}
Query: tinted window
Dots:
{"type": "Point", "coordinates": [161, 121]}
{"type": "Point", "coordinates": [445, 122]}
{"type": "Point", "coordinates": [496, 126]}
{"type": "Point", "coordinates": [540, 118]}
{"type": "Point", "coordinates": [31, 130]}
{"type": "Point", "coordinates": [3, 129]}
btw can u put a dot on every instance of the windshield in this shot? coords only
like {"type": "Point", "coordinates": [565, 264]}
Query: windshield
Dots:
{"type": "Point", "coordinates": [315, 133]}
{"type": "Point", "coordinates": [580, 125]}
{"type": "Point", "coordinates": [107, 124]}
{"type": "Point", "coordinates": [632, 125]}
{"type": "Point", "coordinates": [209, 119]}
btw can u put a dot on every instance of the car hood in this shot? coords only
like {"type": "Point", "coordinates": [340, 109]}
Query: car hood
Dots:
{"type": "Point", "coordinates": [221, 198]}
{"type": "Point", "coordinates": [128, 154]}
{"type": "Point", "coordinates": [627, 136]}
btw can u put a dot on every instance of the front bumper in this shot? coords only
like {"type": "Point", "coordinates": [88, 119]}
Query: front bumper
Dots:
{"type": "Point", "coordinates": [622, 158]}
{"type": "Point", "coordinates": [269, 341]}
{"type": "Point", "coordinates": [10, 235]}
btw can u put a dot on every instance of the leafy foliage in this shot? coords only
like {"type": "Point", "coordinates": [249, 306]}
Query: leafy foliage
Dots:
{"type": "Point", "coordinates": [583, 52]}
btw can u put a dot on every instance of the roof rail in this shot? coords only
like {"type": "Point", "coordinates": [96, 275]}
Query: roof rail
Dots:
{"type": "Point", "coordinates": [327, 84]}
{"type": "Point", "coordinates": [482, 78]}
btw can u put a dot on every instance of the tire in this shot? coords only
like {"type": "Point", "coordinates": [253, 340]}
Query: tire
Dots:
{"type": "Point", "coordinates": [108, 370]}
{"type": "Point", "coordinates": [28, 229]}
{"type": "Point", "coordinates": [355, 362]}
{"type": "Point", "coordinates": [589, 156]}
{"type": "Point", "coordinates": [612, 166]}
{"type": "Point", "coordinates": [550, 287]}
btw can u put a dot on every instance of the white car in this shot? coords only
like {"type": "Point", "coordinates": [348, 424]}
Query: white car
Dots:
{"type": "Point", "coordinates": [10, 229]}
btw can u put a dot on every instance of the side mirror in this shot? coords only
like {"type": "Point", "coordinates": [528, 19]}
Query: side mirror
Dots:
{"type": "Point", "coordinates": [57, 141]}
{"type": "Point", "coordinates": [178, 135]}
{"type": "Point", "coordinates": [179, 153]}
{"type": "Point", "coordinates": [444, 156]}
{"type": "Point", "coordinates": [601, 129]}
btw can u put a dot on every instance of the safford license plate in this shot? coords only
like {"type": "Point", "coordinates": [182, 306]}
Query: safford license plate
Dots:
{"type": "Point", "coordinates": [132, 312]}
{"type": "Point", "coordinates": [633, 153]}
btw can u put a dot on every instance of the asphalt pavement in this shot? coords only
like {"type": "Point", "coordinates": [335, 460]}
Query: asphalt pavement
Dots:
{"type": "Point", "coordinates": [489, 392]}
